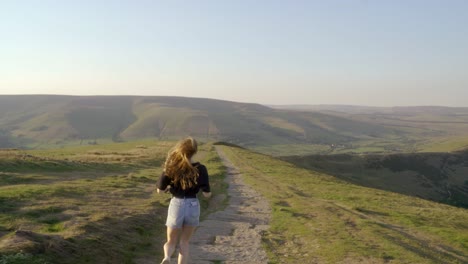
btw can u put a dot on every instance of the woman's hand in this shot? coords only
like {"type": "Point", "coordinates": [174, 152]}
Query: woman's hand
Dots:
{"type": "Point", "coordinates": [207, 194]}
{"type": "Point", "coordinates": [165, 191]}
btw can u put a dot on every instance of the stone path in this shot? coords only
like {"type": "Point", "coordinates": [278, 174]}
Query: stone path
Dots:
{"type": "Point", "coordinates": [234, 235]}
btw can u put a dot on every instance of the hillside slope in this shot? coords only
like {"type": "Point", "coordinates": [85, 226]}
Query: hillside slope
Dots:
{"type": "Point", "coordinates": [89, 204]}
{"type": "Point", "coordinates": [55, 119]}
{"type": "Point", "coordinates": [40, 121]}
{"type": "Point", "coordinates": [318, 218]}
{"type": "Point", "coordinates": [432, 128]}
{"type": "Point", "coordinates": [440, 177]}
{"type": "Point", "coordinates": [92, 204]}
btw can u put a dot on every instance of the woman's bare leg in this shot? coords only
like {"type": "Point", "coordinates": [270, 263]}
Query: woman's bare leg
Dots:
{"type": "Point", "coordinates": [169, 247]}
{"type": "Point", "coordinates": [187, 232]}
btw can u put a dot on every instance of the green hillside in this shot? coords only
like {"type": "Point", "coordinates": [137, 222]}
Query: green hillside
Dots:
{"type": "Point", "coordinates": [96, 204]}
{"type": "Point", "coordinates": [59, 119]}
{"type": "Point", "coordinates": [88, 204]}
{"type": "Point", "coordinates": [318, 218]}
{"type": "Point", "coordinates": [440, 177]}
{"type": "Point", "coordinates": [44, 121]}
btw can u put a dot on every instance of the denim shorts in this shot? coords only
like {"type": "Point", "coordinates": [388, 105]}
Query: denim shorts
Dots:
{"type": "Point", "coordinates": [183, 211]}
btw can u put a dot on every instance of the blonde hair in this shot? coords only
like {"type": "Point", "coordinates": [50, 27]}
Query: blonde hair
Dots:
{"type": "Point", "coordinates": [178, 166]}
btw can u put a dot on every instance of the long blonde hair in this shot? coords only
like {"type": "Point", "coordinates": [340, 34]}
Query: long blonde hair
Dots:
{"type": "Point", "coordinates": [178, 166]}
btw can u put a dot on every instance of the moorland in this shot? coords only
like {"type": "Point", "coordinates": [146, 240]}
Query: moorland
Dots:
{"type": "Point", "coordinates": [41, 121]}
{"type": "Point", "coordinates": [346, 184]}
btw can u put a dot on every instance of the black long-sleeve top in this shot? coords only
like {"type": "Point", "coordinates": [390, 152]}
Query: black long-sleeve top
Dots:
{"type": "Point", "coordinates": [176, 191]}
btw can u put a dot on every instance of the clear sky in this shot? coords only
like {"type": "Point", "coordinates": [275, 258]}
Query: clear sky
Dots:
{"type": "Point", "coordinates": [375, 52]}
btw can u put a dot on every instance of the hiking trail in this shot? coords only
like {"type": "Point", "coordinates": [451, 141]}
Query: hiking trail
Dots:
{"type": "Point", "coordinates": [233, 235]}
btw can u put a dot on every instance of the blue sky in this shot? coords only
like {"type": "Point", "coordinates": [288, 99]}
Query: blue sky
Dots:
{"type": "Point", "coordinates": [381, 53]}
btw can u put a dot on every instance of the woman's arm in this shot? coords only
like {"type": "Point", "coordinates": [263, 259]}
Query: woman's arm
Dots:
{"type": "Point", "coordinates": [162, 185]}
{"type": "Point", "coordinates": [204, 181]}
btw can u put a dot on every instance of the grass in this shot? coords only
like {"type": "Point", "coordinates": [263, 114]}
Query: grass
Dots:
{"type": "Point", "coordinates": [217, 172]}
{"type": "Point", "coordinates": [323, 219]}
{"type": "Point", "coordinates": [445, 144]}
{"type": "Point", "coordinates": [433, 176]}
{"type": "Point", "coordinates": [98, 205]}
{"type": "Point", "coordinates": [101, 206]}
{"type": "Point", "coordinates": [20, 258]}
{"type": "Point", "coordinates": [97, 121]}
{"type": "Point", "coordinates": [357, 146]}
{"type": "Point", "coordinates": [292, 149]}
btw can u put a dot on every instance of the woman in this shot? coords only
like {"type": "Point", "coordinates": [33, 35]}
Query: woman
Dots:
{"type": "Point", "coordinates": [183, 179]}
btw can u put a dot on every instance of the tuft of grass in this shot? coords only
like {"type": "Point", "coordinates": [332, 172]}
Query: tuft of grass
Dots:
{"type": "Point", "coordinates": [21, 258]}
{"type": "Point", "coordinates": [54, 228]}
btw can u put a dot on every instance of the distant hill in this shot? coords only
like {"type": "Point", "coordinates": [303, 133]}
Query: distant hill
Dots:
{"type": "Point", "coordinates": [358, 109]}
{"type": "Point", "coordinates": [33, 121]}
{"type": "Point", "coordinates": [55, 118]}
{"type": "Point", "coordinates": [440, 177]}
{"type": "Point", "coordinates": [337, 108]}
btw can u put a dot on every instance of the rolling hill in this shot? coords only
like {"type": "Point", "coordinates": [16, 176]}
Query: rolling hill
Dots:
{"type": "Point", "coordinates": [38, 121]}
{"type": "Point", "coordinates": [318, 218]}
{"type": "Point", "coordinates": [440, 177]}
{"type": "Point", "coordinates": [358, 201]}
{"type": "Point", "coordinates": [53, 119]}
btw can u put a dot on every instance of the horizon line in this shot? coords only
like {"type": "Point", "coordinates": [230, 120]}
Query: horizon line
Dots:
{"type": "Point", "coordinates": [234, 101]}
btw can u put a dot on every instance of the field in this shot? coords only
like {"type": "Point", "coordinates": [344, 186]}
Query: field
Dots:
{"type": "Point", "coordinates": [97, 204]}
{"type": "Point", "coordinates": [89, 204]}
{"type": "Point", "coordinates": [435, 176]}
{"type": "Point", "coordinates": [318, 218]}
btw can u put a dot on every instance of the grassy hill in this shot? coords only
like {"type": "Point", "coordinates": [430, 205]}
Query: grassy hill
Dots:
{"type": "Point", "coordinates": [77, 196]}
{"type": "Point", "coordinates": [88, 204]}
{"type": "Point", "coordinates": [41, 121]}
{"type": "Point", "coordinates": [96, 204]}
{"type": "Point", "coordinates": [440, 177]}
{"type": "Point", "coordinates": [318, 218]}
{"type": "Point", "coordinates": [56, 119]}
{"type": "Point", "coordinates": [420, 128]}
